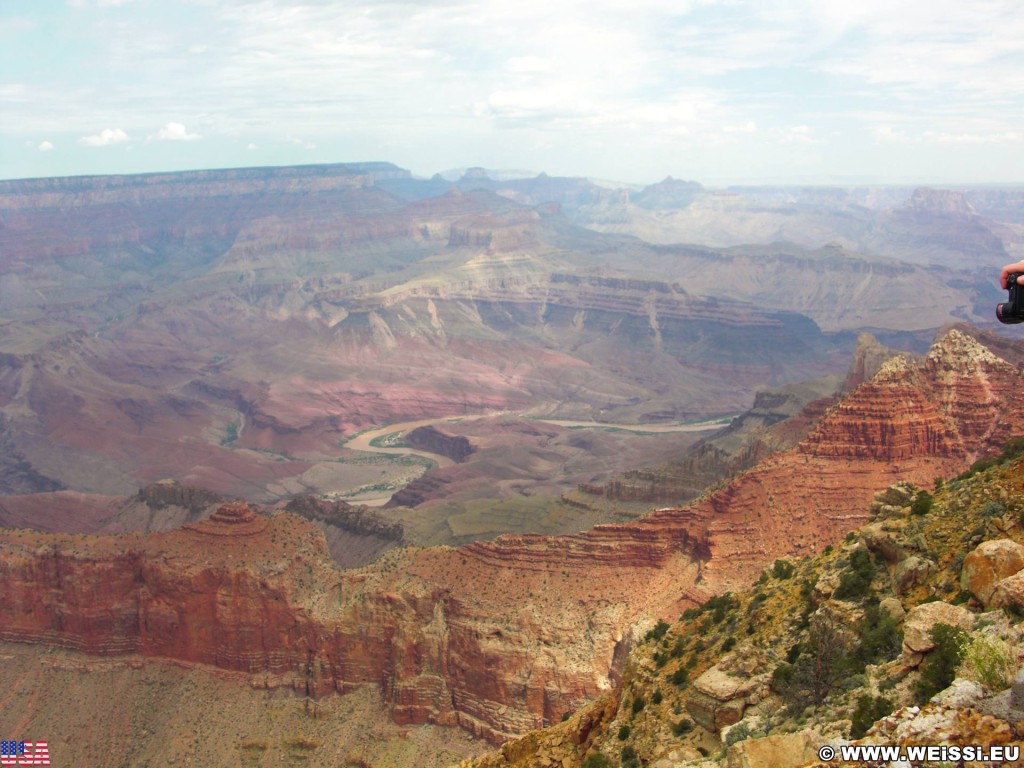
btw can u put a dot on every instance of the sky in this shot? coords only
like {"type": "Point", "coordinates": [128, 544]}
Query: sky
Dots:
{"type": "Point", "coordinates": [718, 91]}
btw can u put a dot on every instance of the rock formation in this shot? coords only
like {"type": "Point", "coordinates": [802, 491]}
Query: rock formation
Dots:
{"type": "Point", "coordinates": [504, 636]}
{"type": "Point", "coordinates": [455, 447]}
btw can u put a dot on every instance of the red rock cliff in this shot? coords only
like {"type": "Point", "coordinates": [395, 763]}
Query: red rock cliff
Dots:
{"type": "Point", "coordinates": [497, 637]}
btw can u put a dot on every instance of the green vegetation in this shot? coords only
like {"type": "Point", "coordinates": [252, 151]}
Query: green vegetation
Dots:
{"type": "Point", "coordinates": [990, 661]}
{"type": "Point", "coordinates": [856, 580]}
{"type": "Point", "coordinates": [597, 760]}
{"type": "Point", "coordinates": [390, 440]}
{"type": "Point", "coordinates": [231, 433]}
{"type": "Point", "coordinates": [738, 733]}
{"type": "Point", "coordinates": [638, 705]}
{"type": "Point", "coordinates": [841, 653]}
{"type": "Point", "coordinates": [869, 709]}
{"type": "Point", "coordinates": [939, 667]}
{"type": "Point", "coordinates": [682, 727]}
{"type": "Point", "coordinates": [1012, 449]}
{"type": "Point", "coordinates": [720, 606]}
{"type": "Point", "coordinates": [922, 503]}
{"type": "Point", "coordinates": [819, 669]}
{"type": "Point", "coordinates": [783, 569]}
{"type": "Point", "coordinates": [658, 631]}
{"type": "Point", "coordinates": [880, 639]}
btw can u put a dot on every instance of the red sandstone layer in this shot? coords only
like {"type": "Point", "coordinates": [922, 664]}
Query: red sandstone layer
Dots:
{"type": "Point", "coordinates": [497, 637]}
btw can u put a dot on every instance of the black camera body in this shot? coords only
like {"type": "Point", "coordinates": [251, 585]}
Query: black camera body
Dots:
{"type": "Point", "coordinates": [1013, 310]}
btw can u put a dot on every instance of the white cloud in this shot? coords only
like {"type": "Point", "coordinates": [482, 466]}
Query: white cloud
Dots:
{"type": "Point", "coordinates": [574, 78]}
{"type": "Point", "coordinates": [104, 138]}
{"type": "Point", "coordinates": [748, 127]}
{"type": "Point", "coordinates": [975, 138]}
{"type": "Point", "coordinates": [530, 64]}
{"type": "Point", "coordinates": [45, 146]}
{"type": "Point", "coordinates": [799, 134]}
{"type": "Point", "coordinates": [252, 147]}
{"type": "Point", "coordinates": [85, 4]}
{"type": "Point", "coordinates": [176, 132]}
{"type": "Point", "coordinates": [885, 133]}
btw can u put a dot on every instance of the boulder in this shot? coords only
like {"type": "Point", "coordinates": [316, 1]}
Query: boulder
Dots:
{"type": "Point", "coordinates": [783, 750]}
{"type": "Point", "coordinates": [1008, 592]}
{"type": "Point", "coordinates": [719, 699]}
{"type": "Point", "coordinates": [920, 620]}
{"type": "Point", "coordinates": [989, 563]}
{"type": "Point", "coordinates": [911, 573]}
{"type": "Point", "coordinates": [884, 539]}
{"type": "Point", "coordinates": [825, 587]}
{"type": "Point", "coordinates": [898, 495]}
{"type": "Point", "coordinates": [718, 684]}
{"type": "Point", "coordinates": [893, 607]}
{"type": "Point", "coordinates": [1008, 705]}
{"type": "Point", "coordinates": [961, 694]}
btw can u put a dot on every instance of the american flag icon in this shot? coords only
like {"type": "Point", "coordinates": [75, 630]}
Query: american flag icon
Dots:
{"type": "Point", "coordinates": [24, 753]}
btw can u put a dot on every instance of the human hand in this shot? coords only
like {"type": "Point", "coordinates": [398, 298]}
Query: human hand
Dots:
{"type": "Point", "coordinates": [1018, 267]}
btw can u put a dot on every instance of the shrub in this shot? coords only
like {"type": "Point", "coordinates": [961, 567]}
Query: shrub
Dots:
{"type": "Point", "coordinates": [783, 569]}
{"type": "Point", "coordinates": [656, 696]}
{"type": "Point", "coordinates": [816, 673]}
{"type": "Point", "coordinates": [990, 661]}
{"type": "Point", "coordinates": [855, 582]}
{"type": "Point", "coordinates": [782, 676]}
{"type": "Point", "coordinates": [738, 732]}
{"type": "Point", "coordinates": [638, 705]}
{"type": "Point", "coordinates": [867, 712]}
{"type": "Point", "coordinates": [939, 667]}
{"type": "Point", "coordinates": [658, 631]}
{"type": "Point", "coordinates": [677, 649]}
{"type": "Point", "coordinates": [922, 503]}
{"type": "Point", "coordinates": [682, 728]}
{"type": "Point", "coordinates": [880, 638]}
{"type": "Point", "coordinates": [992, 509]}
{"type": "Point", "coordinates": [680, 677]}
{"type": "Point", "coordinates": [623, 733]}
{"type": "Point", "coordinates": [597, 760]}
{"type": "Point", "coordinates": [728, 644]}
{"type": "Point", "coordinates": [720, 605]}
{"type": "Point", "coordinates": [1013, 448]}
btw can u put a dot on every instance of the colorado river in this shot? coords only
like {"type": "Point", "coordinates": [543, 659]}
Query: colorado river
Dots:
{"type": "Point", "coordinates": [362, 441]}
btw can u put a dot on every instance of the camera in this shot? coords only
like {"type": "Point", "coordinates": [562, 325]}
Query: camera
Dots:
{"type": "Point", "coordinates": [1012, 311]}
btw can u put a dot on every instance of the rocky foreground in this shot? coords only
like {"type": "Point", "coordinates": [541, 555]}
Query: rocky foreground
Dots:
{"type": "Point", "coordinates": [908, 632]}
{"type": "Point", "coordinates": [496, 637]}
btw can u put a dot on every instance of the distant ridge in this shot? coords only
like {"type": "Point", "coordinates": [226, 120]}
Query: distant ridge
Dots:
{"type": "Point", "coordinates": [376, 169]}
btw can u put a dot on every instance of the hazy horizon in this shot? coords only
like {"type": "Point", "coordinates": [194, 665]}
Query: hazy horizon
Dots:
{"type": "Point", "coordinates": [505, 174]}
{"type": "Point", "coordinates": [725, 92]}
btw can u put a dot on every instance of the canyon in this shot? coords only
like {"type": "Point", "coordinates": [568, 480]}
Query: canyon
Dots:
{"type": "Point", "coordinates": [498, 637]}
{"type": "Point", "coordinates": [204, 376]}
{"type": "Point", "coordinates": [230, 329]}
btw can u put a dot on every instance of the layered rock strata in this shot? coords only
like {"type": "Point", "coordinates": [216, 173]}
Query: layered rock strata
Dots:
{"type": "Point", "coordinates": [504, 636]}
